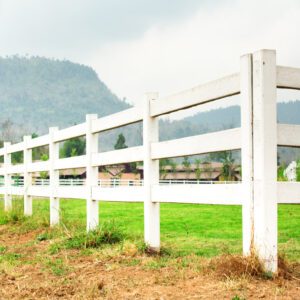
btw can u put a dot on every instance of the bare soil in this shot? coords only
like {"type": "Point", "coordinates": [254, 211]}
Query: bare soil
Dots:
{"type": "Point", "coordinates": [29, 271]}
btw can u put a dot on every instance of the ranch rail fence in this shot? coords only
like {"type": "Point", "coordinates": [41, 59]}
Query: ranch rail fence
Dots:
{"type": "Point", "coordinates": [258, 138]}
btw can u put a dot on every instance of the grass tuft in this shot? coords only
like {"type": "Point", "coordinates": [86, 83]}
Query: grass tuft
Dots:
{"type": "Point", "coordinates": [15, 216]}
{"type": "Point", "coordinates": [107, 234]}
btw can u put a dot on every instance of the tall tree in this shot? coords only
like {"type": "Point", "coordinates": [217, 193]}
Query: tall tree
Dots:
{"type": "Point", "coordinates": [121, 142]}
{"type": "Point", "coordinates": [228, 165]}
{"type": "Point", "coordinates": [163, 163]}
{"type": "Point", "coordinates": [73, 147]}
{"type": "Point", "coordinates": [187, 166]}
{"type": "Point", "coordinates": [198, 170]}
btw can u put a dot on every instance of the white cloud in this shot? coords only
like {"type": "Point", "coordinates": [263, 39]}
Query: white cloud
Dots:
{"type": "Point", "coordinates": [151, 45]}
{"type": "Point", "coordinates": [73, 28]}
{"type": "Point", "coordinates": [202, 48]}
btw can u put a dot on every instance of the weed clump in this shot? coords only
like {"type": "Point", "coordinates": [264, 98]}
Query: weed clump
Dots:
{"type": "Point", "coordinates": [13, 216]}
{"type": "Point", "coordinates": [107, 234]}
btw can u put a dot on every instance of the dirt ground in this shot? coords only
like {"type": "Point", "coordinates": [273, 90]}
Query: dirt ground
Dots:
{"type": "Point", "coordinates": [29, 271]}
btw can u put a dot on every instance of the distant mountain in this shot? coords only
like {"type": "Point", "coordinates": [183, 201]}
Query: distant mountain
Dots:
{"type": "Point", "coordinates": [38, 92]}
{"type": "Point", "coordinates": [223, 118]}
{"type": "Point", "coordinates": [204, 122]}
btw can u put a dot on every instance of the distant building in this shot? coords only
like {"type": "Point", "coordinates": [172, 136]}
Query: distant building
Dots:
{"type": "Point", "coordinates": [126, 174]}
{"type": "Point", "coordinates": [207, 171]}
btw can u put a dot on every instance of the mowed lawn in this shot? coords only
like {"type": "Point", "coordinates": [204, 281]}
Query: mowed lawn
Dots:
{"type": "Point", "coordinates": [205, 230]}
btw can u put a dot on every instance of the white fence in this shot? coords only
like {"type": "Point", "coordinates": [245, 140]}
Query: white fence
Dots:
{"type": "Point", "coordinates": [258, 138]}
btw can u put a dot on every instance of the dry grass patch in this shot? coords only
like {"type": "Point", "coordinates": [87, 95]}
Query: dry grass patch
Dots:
{"type": "Point", "coordinates": [237, 266]}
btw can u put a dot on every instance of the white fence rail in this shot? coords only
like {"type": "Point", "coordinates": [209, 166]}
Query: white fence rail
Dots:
{"type": "Point", "coordinates": [114, 182]}
{"type": "Point", "coordinates": [257, 138]}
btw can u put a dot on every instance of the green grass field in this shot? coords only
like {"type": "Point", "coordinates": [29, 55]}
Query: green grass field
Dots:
{"type": "Point", "coordinates": [205, 230]}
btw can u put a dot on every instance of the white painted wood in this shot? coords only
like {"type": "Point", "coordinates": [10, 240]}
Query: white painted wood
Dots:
{"type": "Point", "coordinates": [288, 192]}
{"type": "Point", "coordinates": [247, 151]}
{"type": "Point", "coordinates": [224, 194]}
{"type": "Point", "coordinates": [69, 133]}
{"type": "Point", "coordinates": [7, 178]}
{"type": "Point", "coordinates": [67, 192]}
{"type": "Point", "coordinates": [38, 166]}
{"type": "Point", "coordinates": [288, 77]}
{"type": "Point", "coordinates": [70, 162]}
{"type": "Point", "coordinates": [2, 151]}
{"type": "Point", "coordinates": [122, 118]}
{"type": "Point", "coordinates": [229, 139]}
{"type": "Point", "coordinates": [126, 155]}
{"type": "Point", "coordinates": [92, 206]}
{"type": "Point", "coordinates": [16, 190]}
{"type": "Point", "coordinates": [119, 194]}
{"type": "Point", "coordinates": [15, 147]}
{"type": "Point", "coordinates": [221, 88]}
{"type": "Point", "coordinates": [265, 157]}
{"type": "Point", "coordinates": [39, 191]}
{"type": "Point", "coordinates": [16, 169]}
{"type": "Point", "coordinates": [151, 176]}
{"type": "Point", "coordinates": [27, 158]}
{"type": "Point", "coordinates": [39, 141]}
{"type": "Point", "coordinates": [288, 135]}
{"type": "Point", "coordinates": [54, 177]}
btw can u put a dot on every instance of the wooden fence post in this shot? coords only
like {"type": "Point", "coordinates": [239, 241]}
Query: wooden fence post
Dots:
{"type": "Point", "coordinates": [151, 176]}
{"type": "Point", "coordinates": [54, 177]}
{"type": "Point", "coordinates": [27, 159]}
{"type": "Point", "coordinates": [92, 206]}
{"type": "Point", "coordinates": [265, 157]}
{"type": "Point", "coordinates": [7, 178]}
{"type": "Point", "coordinates": [247, 151]}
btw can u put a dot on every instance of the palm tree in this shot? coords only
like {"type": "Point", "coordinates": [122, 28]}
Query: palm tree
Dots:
{"type": "Point", "coordinates": [228, 165]}
{"type": "Point", "coordinates": [173, 165]}
{"type": "Point", "coordinates": [163, 163]}
{"type": "Point", "coordinates": [187, 166]}
{"type": "Point", "coordinates": [198, 170]}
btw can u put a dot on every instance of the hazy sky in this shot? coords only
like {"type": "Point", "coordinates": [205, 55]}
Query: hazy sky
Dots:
{"type": "Point", "coordinates": [151, 45]}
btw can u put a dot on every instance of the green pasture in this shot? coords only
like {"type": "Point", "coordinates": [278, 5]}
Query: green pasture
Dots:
{"type": "Point", "coordinates": [205, 230]}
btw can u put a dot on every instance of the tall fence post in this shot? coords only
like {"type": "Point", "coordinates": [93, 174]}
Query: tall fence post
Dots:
{"type": "Point", "coordinates": [92, 206]}
{"type": "Point", "coordinates": [151, 175]}
{"type": "Point", "coordinates": [247, 151]}
{"type": "Point", "coordinates": [54, 177]}
{"type": "Point", "coordinates": [7, 178]}
{"type": "Point", "coordinates": [27, 159]}
{"type": "Point", "coordinates": [265, 157]}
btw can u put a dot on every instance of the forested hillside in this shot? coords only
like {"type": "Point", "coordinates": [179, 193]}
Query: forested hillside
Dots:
{"type": "Point", "coordinates": [37, 93]}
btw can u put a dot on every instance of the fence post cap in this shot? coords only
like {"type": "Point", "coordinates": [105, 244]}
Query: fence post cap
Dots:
{"type": "Point", "coordinates": [53, 129]}
{"type": "Point", "coordinates": [91, 117]}
{"type": "Point", "coordinates": [151, 95]}
{"type": "Point", "coordinates": [27, 137]}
